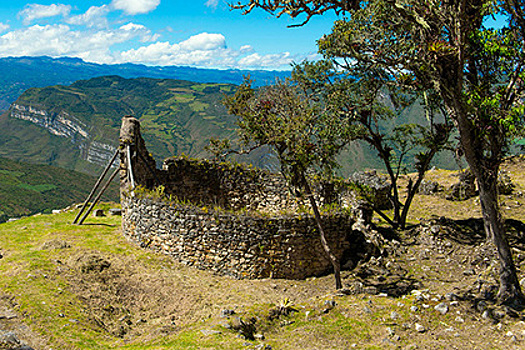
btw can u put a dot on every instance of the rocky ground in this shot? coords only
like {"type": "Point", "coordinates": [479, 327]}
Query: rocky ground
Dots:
{"type": "Point", "coordinates": [431, 287]}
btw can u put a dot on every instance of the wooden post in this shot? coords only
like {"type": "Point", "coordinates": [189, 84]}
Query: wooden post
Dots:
{"type": "Point", "coordinates": [99, 181]}
{"type": "Point", "coordinates": [99, 195]}
{"type": "Point", "coordinates": [130, 168]}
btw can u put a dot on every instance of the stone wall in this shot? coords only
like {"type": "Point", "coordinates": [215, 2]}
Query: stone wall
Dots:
{"type": "Point", "coordinates": [229, 186]}
{"type": "Point", "coordinates": [236, 220]}
{"type": "Point", "coordinates": [242, 245]}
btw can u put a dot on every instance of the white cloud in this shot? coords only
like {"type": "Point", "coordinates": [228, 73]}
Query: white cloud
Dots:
{"type": "Point", "coordinates": [36, 11]}
{"type": "Point", "coordinates": [95, 16]}
{"type": "Point", "coordinates": [140, 31]}
{"type": "Point", "coordinates": [133, 27]}
{"type": "Point", "coordinates": [212, 3]}
{"type": "Point", "coordinates": [61, 40]}
{"type": "Point", "coordinates": [204, 41]}
{"type": "Point", "coordinates": [93, 37]}
{"type": "Point", "coordinates": [3, 27]}
{"type": "Point", "coordinates": [265, 61]}
{"type": "Point", "coordinates": [204, 50]}
{"type": "Point", "coordinates": [134, 7]}
{"type": "Point", "coordinates": [246, 49]}
{"type": "Point", "coordinates": [164, 53]}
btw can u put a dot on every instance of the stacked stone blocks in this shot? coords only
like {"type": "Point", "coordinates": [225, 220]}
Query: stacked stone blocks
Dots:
{"type": "Point", "coordinates": [230, 219]}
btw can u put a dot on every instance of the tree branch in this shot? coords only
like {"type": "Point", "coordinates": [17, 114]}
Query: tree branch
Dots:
{"type": "Point", "coordinates": [296, 8]}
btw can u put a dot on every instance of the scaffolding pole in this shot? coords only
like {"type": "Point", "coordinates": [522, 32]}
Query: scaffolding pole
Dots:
{"type": "Point", "coordinates": [99, 196]}
{"type": "Point", "coordinates": [95, 188]}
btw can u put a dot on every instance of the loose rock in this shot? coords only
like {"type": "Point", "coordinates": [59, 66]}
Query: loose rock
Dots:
{"type": "Point", "coordinates": [227, 313]}
{"type": "Point", "coordinates": [420, 328]}
{"type": "Point", "coordinates": [8, 339]}
{"type": "Point", "coordinates": [441, 308]}
{"type": "Point", "coordinates": [98, 213]}
{"type": "Point", "coordinates": [209, 332]}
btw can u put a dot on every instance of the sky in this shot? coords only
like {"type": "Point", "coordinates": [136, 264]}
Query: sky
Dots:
{"type": "Point", "coordinates": [197, 33]}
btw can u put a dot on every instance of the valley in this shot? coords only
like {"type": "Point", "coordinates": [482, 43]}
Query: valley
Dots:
{"type": "Point", "coordinates": [76, 126]}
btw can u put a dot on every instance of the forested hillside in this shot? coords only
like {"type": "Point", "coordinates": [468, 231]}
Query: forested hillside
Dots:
{"type": "Point", "coordinates": [27, 189]}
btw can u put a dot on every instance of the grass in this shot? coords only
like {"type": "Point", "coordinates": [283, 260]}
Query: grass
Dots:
{"type": "Point", "coordinates": [63, 305]}
{"type": "Point", "coordinates": [198, 106]}
{"type": "Point", "coordinates": [26, 189]}
{"type": "Point", "coordinates": [38, 188]}
{"type": "Point", "coordinates": [39, 280]}
{"type": "Point", "coordinates": [76, 287]}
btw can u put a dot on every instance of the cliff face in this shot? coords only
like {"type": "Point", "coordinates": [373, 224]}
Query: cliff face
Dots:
{"type": "Point", "coordinates": [67, 126]}
{"type": "Point", "coordinates": [61, 124]}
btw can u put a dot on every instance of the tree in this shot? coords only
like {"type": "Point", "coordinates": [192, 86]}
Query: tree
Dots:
{"type": "Point", "coordinates": [370, 98]}
{"type": "Point", "coordinates": [443, 45]}
{"type": "Point", "coordinates": [303, 131]}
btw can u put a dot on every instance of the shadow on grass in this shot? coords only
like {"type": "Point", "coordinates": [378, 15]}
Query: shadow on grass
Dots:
{"type": "Point", "coordinates": [394, 286]}
{"type": "Point", "coordinates": [397, 287]}
{"type": "Point", "coordinates": [472, 231]}
{"type": "Point", "coordinates": [387, 232]}
{"type": "Point", "coordinates": [379, 279]}
{"type": "Point", "coordinates": [97, 224]}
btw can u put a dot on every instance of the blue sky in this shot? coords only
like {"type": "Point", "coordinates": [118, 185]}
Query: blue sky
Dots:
{"type": "Point", "coordinates": [199, 33]}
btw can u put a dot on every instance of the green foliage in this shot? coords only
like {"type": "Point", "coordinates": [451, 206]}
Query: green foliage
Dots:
{"type": "Point", "coordinates": [420, 51]}
{"type": "Point", "coordinates": [38, 188]}
{"type": "Point", "coordinates": [493, 108]}
{"type": "Point", "coordinates": [369, 100]}
{"type": "Point", "coordinates": [156, 194]}
{"type": "Point", "coordinates": [304, 133]}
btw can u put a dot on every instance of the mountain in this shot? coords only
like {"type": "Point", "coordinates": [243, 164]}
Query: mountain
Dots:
{"type": "Point", "coordinates": [21, 73]}
{"type": "Point", "coordinates": [77, 126]}
{"type": "Point", "coordinates": [27, 189]}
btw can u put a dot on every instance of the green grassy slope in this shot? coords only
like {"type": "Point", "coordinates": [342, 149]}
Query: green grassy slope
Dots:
{"type": "Point", "coordinates": [27, 189]}
{"type": "Point", "coordinates": [65, 286]}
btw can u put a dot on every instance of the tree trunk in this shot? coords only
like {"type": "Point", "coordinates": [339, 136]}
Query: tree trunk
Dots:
{"type": "Point", "coordinates": [486, 173]}
{"type": "Point", "coordinates": [413, 187]}
{"type": "Point", "coordinates": [333, 259]}
{"type": "Point", "coordinates": [395, 193]}
{"type": "Point", "coordinates": [509, 289]}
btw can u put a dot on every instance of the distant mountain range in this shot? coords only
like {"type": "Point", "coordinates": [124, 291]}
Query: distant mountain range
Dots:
{"type": "Point", "coordinates": [18, 74]}
{"type": "Point", "coordinates": [27, 189]}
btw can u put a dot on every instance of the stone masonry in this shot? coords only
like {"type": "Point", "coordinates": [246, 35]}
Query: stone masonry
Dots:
{"type": "Point", "coordinates": [228, 218]}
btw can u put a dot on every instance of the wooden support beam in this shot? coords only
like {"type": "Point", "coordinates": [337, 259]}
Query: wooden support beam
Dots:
{"type": "Point", "coordinates": [99, 196]}
{"type": "Point", "coordinates": [95, 188]}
